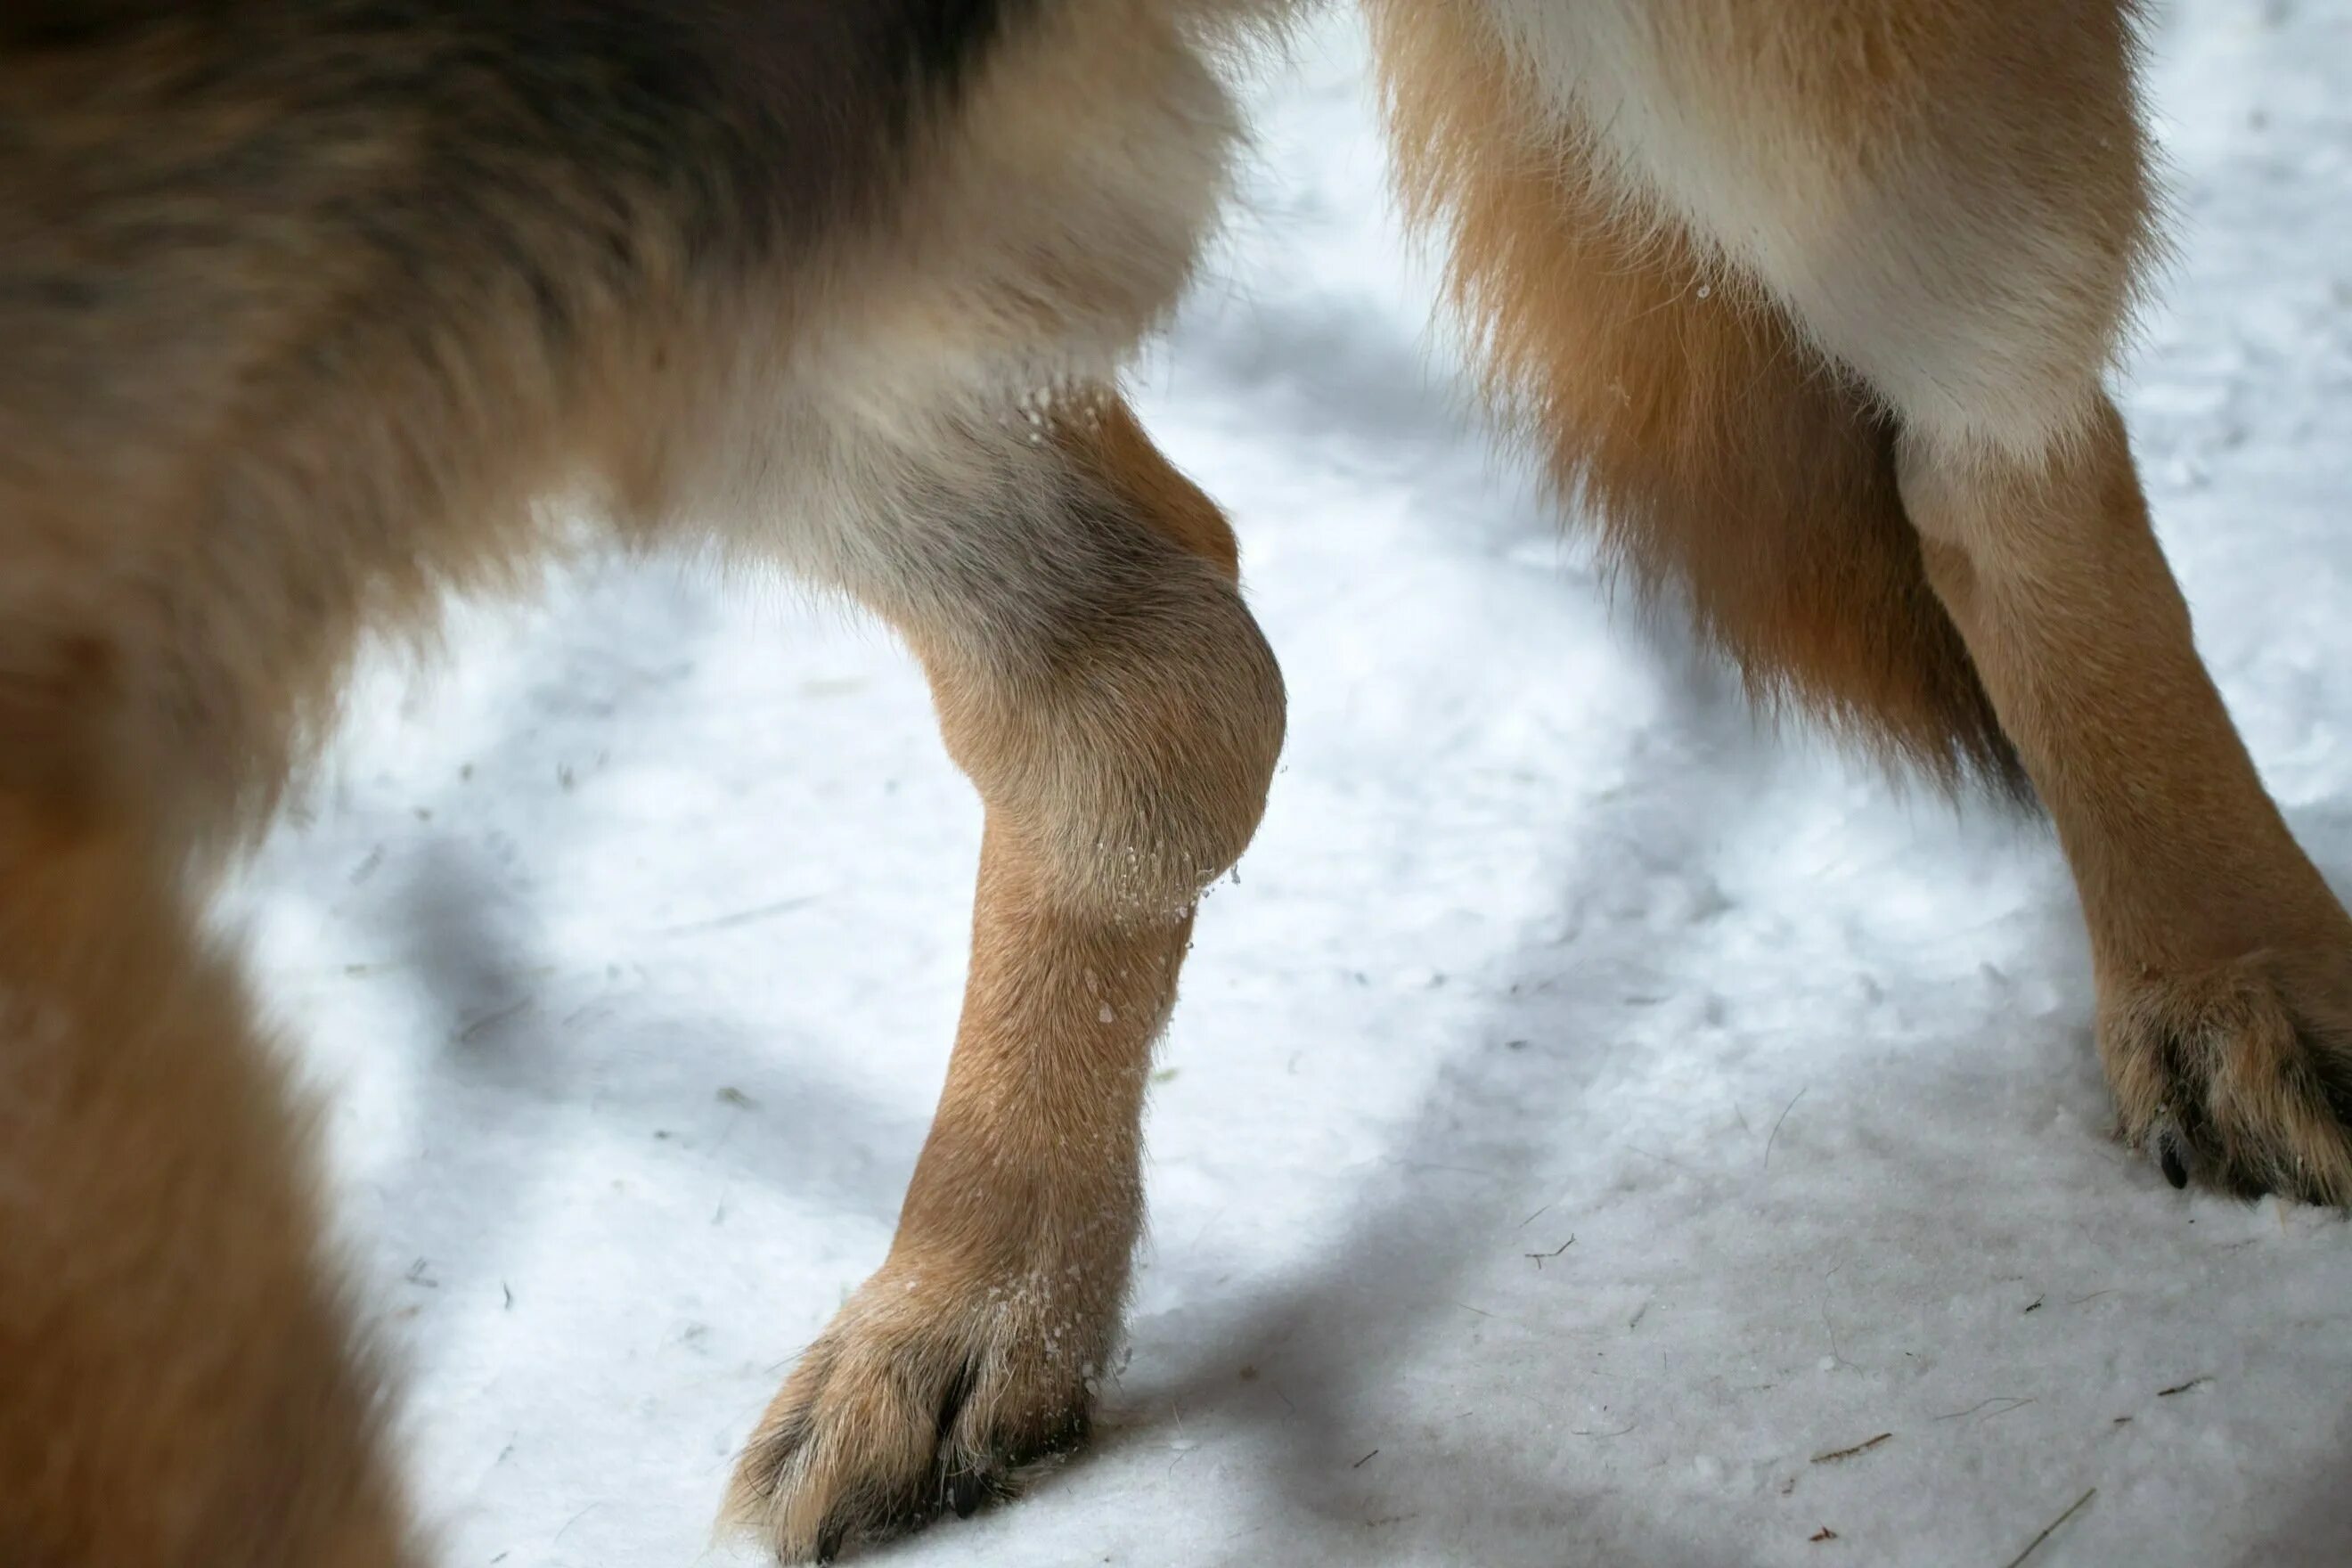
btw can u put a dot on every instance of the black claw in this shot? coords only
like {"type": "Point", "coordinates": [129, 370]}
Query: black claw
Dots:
{"type": "Point", "coordinates": [828, 1542]}
{"type": "Point", "coordinates": [967, 1490]}
{"type": "Point", "coordinates": [2168, 1154]}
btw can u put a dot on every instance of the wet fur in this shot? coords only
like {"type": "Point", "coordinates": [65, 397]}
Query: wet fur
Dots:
{"type": "Point", "coordinates": [319, 308]}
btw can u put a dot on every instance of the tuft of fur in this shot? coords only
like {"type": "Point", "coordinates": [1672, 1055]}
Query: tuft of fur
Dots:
{"type": "Point", "coordinates": [1721, 457]}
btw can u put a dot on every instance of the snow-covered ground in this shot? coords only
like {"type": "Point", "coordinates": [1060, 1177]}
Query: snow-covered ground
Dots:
{"type": "Point", "coordinates": [1587, 1113]}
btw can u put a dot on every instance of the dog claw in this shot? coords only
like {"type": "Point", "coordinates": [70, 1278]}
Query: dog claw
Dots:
{"type": "Point", "coordinates": [2168, 1155]}
{"type": "Point", "coordinates": [966, 1491]}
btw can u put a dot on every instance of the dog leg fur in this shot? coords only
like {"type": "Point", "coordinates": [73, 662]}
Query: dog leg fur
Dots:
{"type": "Point", "coordinates": [177, 1381]}
{"type": "Point", "coordinates": [1902, 242]}
{"type": "Point", "coordinates": [1122, 746]}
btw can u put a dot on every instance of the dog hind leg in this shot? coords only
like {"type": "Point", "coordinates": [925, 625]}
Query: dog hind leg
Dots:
{"type": "Point", "coordinates": [178, 1382]}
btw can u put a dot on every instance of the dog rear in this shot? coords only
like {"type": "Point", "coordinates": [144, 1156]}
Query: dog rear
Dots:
{"type": "Point", "coordinates": [310, 302]}
{"type": "Point", "coordinates": [320, 307]}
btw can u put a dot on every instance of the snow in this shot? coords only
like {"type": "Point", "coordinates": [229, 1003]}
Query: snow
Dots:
{"type": "Point", "coordinates": [1589, 1112]}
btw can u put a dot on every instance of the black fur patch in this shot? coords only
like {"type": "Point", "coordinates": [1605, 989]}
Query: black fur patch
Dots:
{"type": "Point", "coordinates": [754, 121]}
{"type": "Point", "coordinates": [828, 91]}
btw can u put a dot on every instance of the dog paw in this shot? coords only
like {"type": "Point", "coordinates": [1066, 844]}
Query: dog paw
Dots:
{"type": "Point", "coordinates": [2239, 1077]}
{"type": "Point", "coordinates": [924, 1395]}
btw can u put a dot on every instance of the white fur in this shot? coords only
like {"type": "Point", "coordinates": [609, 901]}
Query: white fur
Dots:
{"type": "Point", "coordinates": [1984, 320]}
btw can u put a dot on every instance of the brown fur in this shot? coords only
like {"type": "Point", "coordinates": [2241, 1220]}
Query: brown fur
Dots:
{"type": "Point", "coordinates": [1724, 460]}
{"type": "Point", "coordinates": [976, 1347]}
{"type": "Point", "coordinates": [2224, 962]}
{"type": "Point", "coordinates": [1820, 338]}
{"type": "Point", "coordinates": [317, 307]}
{"type": "Point", "coordinates": [177, 1380]}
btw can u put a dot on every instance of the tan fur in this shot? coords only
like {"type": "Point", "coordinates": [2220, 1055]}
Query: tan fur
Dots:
{"type": "Point", "coordinates": [1810, 301]}
{"type": "Point", "coordinates": [2224, 962]}
{"type": "Point", "coordinates": [1723, 459]}
{"type": "Point", "coordinates": [1908, 181]}
{"type": "Point", "coordinates": [176, 1383]}
{"type": "Point", "coordinates": [1121, 774]}
{"type": "Point", "coordinates": [1813, 305]}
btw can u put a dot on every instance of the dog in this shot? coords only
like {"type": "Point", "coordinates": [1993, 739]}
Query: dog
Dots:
{"type": "Point", "coordinates": [315, 310]}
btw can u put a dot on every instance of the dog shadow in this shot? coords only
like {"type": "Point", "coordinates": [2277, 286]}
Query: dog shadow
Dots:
{"type": "Point", "coordinates": [1377, 1291]}
{"type": "Point", "coordinates": [1315, 1340]}
{"type": "Point", "coordinates": [535, 1049]}
{"type": "Point", "coordinates": [1323, 1332]}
